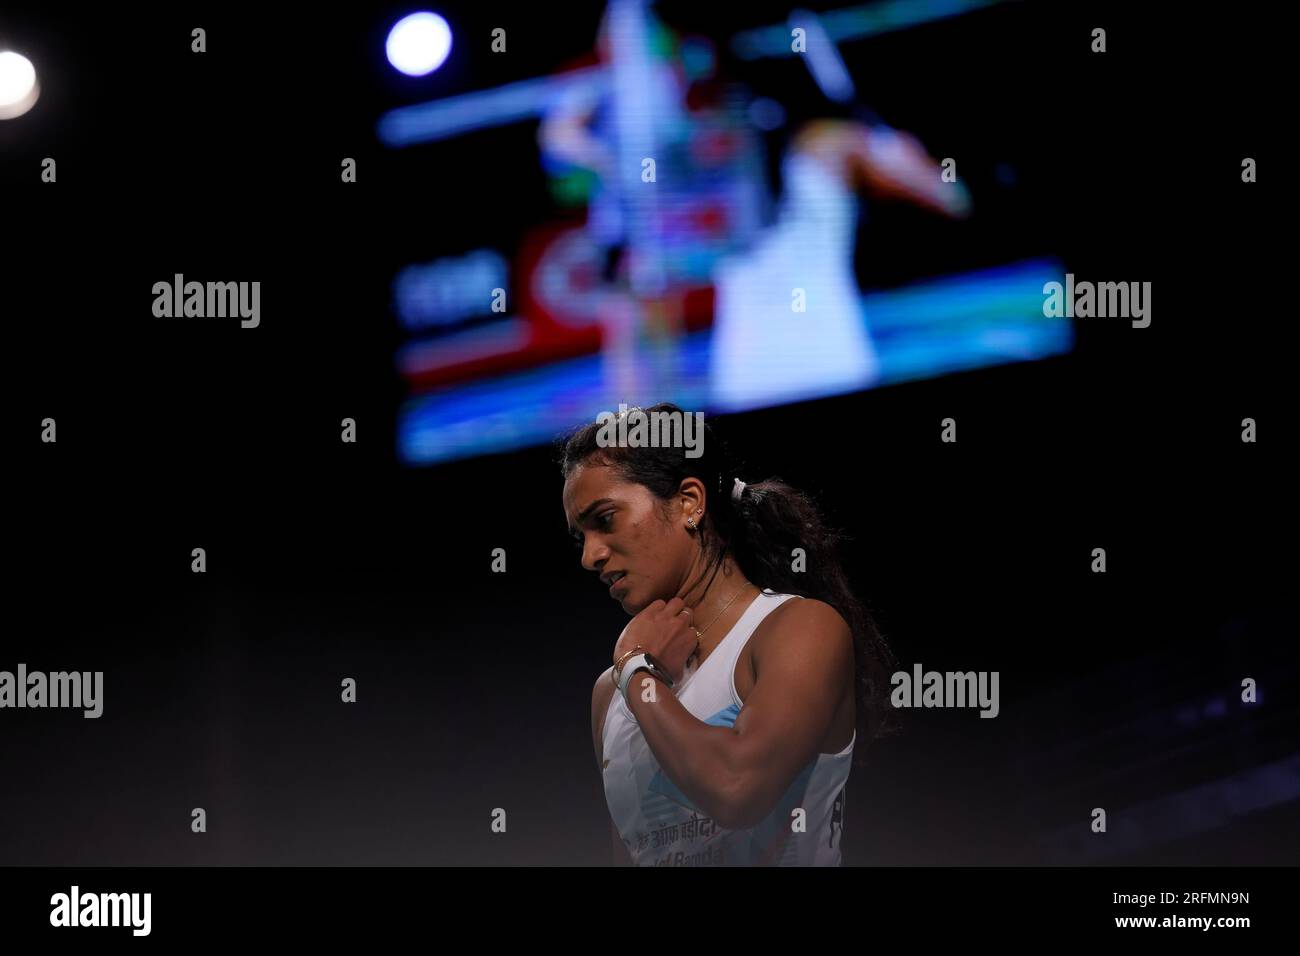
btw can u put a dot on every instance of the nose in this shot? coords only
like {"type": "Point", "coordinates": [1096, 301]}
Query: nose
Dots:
{"type": "Point", "coordinates": [594, 553]}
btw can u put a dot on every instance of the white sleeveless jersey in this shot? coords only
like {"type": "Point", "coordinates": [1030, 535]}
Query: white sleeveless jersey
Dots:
{"type": "Point", "coordinates": [758, 353]}
{"type": "Point", "coordinates": [658, 823]}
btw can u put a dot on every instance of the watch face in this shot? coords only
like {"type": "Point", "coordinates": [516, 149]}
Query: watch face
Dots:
{"type": "Point", "coordinates": [659, 670]}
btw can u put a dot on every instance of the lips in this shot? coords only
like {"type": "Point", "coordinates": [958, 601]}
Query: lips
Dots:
{"type": "Point", "coordinates": [614, 579]}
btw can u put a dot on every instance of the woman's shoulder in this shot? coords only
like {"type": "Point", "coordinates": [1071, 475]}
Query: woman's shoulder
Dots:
{"type": "Point", "coordinates": [798, 605]}
{"type": "Point", "coordinates": [803, 619]}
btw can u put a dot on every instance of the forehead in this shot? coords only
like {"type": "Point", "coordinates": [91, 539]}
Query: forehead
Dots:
{"type": "Point", "coordinates": [584, 484]}
{"type": "Point", "coordinates": [588, 483]}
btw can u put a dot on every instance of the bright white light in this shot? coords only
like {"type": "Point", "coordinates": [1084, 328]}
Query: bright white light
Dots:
{"type": "Point", "coordinates": [419, 44]}
{"type": "Point", "coordinates": [18, 87]}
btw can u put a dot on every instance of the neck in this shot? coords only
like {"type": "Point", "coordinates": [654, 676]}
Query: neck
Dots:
{"type": "Point", "coordinates": [711, 595]}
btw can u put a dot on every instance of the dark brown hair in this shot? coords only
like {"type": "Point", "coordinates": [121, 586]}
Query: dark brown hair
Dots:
{"type": "Point", "coordinates": [759, 531]}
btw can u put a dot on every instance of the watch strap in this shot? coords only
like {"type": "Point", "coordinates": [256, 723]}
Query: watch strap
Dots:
{"type": "Point", "coordinates": [640, 662]}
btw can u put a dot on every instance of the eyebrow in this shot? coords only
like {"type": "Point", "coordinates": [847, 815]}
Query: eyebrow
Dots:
{"type": "Point", "coordinates": [586, 512]}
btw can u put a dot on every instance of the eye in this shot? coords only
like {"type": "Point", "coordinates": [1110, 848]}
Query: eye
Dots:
{"type": "Point", "coordinates": [602, 524]}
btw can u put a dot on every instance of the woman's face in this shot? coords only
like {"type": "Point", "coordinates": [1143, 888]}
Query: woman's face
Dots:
{"type": "Point", "coordinates": [622, 529]}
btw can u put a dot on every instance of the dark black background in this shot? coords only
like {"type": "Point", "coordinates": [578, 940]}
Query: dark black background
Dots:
{"type": "Point", "coordinates": [328, 560]}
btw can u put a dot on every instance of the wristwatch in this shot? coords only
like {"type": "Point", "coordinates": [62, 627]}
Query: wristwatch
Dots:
{"type": "Point", "coordinates": [640, 662]}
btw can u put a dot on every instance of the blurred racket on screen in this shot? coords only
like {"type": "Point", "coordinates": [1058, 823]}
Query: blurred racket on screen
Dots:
{"type": "Point", "coordinates": [897, 155]}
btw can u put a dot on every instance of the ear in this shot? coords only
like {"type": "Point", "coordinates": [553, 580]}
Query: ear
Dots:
{"type": "Point", "coordinates": [692, 497]}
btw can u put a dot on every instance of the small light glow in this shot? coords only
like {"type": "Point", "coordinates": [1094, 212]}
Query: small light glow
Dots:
{"type": "Point", "coordinates": [18, 87]}
{"type": "Point", "coordinates": [418, 44]}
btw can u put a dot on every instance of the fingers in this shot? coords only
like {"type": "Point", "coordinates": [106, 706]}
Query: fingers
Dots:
{"type": "Point", "coordinates": [678, 608]}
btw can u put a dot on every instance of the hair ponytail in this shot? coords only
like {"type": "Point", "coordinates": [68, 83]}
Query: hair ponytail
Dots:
{"type": "Point", "coordinates": [770, 521]}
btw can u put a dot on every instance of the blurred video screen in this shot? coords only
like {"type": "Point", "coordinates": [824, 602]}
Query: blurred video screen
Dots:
{"type": "Point", "coordinates": [711, 217]}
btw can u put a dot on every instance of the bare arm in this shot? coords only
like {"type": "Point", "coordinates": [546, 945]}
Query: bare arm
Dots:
{"type": "Point", "coordinates": [888, 164]}
{"type": "Point", "coordinates": [736, 774]}
{"type": "Point", "coordinates": [601, 695]}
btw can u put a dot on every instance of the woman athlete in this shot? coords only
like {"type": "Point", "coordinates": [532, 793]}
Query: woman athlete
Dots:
{"type": "Point", "coordinates": [748, 668]}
